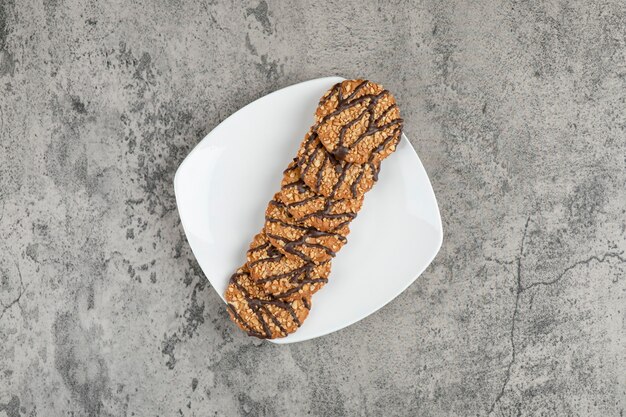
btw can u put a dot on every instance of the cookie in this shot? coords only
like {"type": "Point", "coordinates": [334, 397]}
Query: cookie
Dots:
{"type": "Point", "coordinates": [315, 210]}
{"type": "Point", "coordinates": [260, 314]}
{"type": "Point", "coordinates": [300, 242]}
{"type": "Point", "coordinates": [330, 177]}
{"type": "Point", "coordinates": [358, 121]}
{"type": "Point", "coordinates": [282, 277]}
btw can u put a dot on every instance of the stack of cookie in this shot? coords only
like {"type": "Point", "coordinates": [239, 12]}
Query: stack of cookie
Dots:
{"type": "Point", "coordinates": [357, 125]}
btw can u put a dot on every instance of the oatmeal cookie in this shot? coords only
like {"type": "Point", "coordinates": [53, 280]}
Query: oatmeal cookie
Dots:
{"type": "Point", "coordinates": [358, 121]}
{"type": "Point", "coordinates": [330, 177]}
{"type": "Point", "coordinates": [315, 210]}
{"type": "Point", "coordinates": [282, 277]}
{"type": "Point", "coordinates": [260, 314]}
{"type": "Point", "coordinates": [301, 242]}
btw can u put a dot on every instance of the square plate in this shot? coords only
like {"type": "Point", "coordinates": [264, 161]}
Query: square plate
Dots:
{"type": "Point", "coordinates": [225, 183]}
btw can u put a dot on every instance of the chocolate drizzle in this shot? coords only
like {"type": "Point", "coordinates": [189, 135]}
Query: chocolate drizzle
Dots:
{"type": "Point", "coordinates": [375, 171]}
{"type": "Point", "coordinates": [341, 179]}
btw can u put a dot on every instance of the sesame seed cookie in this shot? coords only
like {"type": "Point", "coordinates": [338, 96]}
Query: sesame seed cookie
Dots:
{"type": "Point", "coordinates": [300, 242]}
{"type": "Point", "coordinates": [282, 277]}
{"type": "Point", "coordinates": [358, 121]}
{"type": "Point", "coordinates": [260, 314]}
{"type": "Point", "coordinates": [330, 177]}
{"type": "Point", "coordinates": [314, 210]}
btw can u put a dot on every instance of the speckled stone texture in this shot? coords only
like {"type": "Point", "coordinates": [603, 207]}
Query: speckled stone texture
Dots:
{"type": "Point", "coordinates": [515, 108]}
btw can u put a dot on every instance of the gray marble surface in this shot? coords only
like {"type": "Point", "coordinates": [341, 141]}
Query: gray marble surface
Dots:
{"type": "Point", "coordinates": [515, 108]}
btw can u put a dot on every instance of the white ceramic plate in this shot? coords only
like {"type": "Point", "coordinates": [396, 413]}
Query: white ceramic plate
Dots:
{"type": "Point", "coordinates": [223, 186]}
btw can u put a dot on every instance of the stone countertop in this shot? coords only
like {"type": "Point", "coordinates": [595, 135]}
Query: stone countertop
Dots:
{"type": "Point", "coordinates": [515, 108]}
